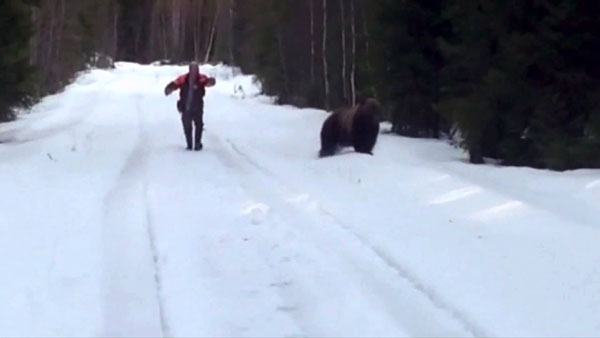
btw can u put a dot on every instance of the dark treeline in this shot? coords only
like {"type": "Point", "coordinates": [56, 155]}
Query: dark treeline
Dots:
{"type": "Point", "coordinates": [517, 81]}
{"type": "Point", "coordinates": [44, 43]}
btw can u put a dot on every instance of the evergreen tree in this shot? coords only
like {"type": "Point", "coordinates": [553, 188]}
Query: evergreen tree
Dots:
{"type": "Point", "coordinates": [468, 78]}
{"type": "Point", "coordinates": [409, 31]}
{"type": "Point", "coordinates": [17, 75]}
{"type": "Point", "coordinates": [565, 76]}
{"type": "Point", "coordinates": [269, 34]}
{"type": "Point", "coordinates": [520, 82]}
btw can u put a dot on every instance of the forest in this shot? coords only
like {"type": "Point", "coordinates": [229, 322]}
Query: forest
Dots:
{"type": "Point", "coordinates": [517, 82]}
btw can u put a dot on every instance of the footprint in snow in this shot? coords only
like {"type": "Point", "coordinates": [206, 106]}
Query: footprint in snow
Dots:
{"type": "Point", "coordinates": [280, 284]}
{"type": "Point", "coordinates": [286, 308]}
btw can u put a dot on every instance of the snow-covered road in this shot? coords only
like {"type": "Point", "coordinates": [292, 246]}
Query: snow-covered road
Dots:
{"type": "Point", "coordinates": [108, 227]}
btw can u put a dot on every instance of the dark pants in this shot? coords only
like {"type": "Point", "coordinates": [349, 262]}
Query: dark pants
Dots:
{"type": "Point", "coordinates": [193, 120]}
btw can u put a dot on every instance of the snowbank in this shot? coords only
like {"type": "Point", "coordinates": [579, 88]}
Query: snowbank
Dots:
{"type": "Point", "coordinates": [108, 227]}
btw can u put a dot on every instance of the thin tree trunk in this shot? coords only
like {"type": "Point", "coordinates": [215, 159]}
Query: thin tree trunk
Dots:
{"type": "Point", "coordinates": [325, 74]}
{"type": "Point", "coordinates": [353, 70]}
{"type": "Point", "coordinates": [312, 43]}
{"type": "Point", "coordinates": [211, 39]}
{"type": "Point", "coordinates": [232, 27]}
{"type": "Point", "coordinates": [475, 155]}
{"type": "Point", "coordinates": [36, 44]}
{"type": "Point", "coordinates": [175, 22]}
{"type": "Point", "coordinates": [61, 26]}
{"type": "Point", "coordinates": [344, 85]}
{"type": "Point", "coordinates": [34, 41]}
{"type": "Point", "coordinates": [283, 65]}
{"type": "Point", "coordinates": [183, 28]}
{"type": "Point", "coordinates": [222, 39]}
{"type": "Point", "coordinates": [115, 27]}
{"type": "Point", "coordinates": [366, 36]}
{"type": "Point", "coordinates": [196, 35]}
{"type": "Point", "coordinates": [156, 30]}
{"type": "Point", "coordinates": [137, 36]}
{"type": "Point", "coordinates": [197, 31]}
{"type": "Point", "coordinates": [163, 25]}
{"type": "Point", "coordinates": [48, 56]}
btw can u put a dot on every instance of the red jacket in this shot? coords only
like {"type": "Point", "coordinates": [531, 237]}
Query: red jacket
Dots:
{"type": "Point", "coordinates": [181, 82]}
{"type": "Point", "coordinates": [203, 81]}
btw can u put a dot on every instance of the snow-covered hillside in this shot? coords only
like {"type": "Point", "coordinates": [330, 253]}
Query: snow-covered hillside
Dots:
{"type": "Point", "coordinates": [109, 227]}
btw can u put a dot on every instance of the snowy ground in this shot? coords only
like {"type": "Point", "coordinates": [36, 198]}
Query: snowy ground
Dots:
{"type": "Point", "coordinates": [109, 227]}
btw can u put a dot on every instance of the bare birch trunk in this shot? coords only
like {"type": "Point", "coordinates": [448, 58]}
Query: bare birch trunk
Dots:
{"type": "Point", "coordinates": [312, 43]}
{"type": "Point", "coordinates": [61, 26]}
{"type": "Point", "coordinates": [367, 39]}
{"type": "Point", "coordinates": [175, 22]}
{"type": "Point", "coordinates": [232, 29]}
{"type": "Point", "coordinates": [283, 64]}
{"type": "Point", "coordinates": [196, 33]}
{"type": "Point", "coordinates": [366, 34]}
{"type": "Point", "coordinates": [211, 39]}
{"type": "Point", "coordinates": [344, 85]}
{"type": "Point", "coordinates": [183, 28]}
{"type": "Point", "coordinates": [196, 38]}
{"type": "Point", "coordinates": [353, 71]}
{"type": "Point", "coordinates": [325, 74]}
{"type": "Point", "coordinates": [115, 42]}
{"type": "Point", "coordinates": [163, 25]}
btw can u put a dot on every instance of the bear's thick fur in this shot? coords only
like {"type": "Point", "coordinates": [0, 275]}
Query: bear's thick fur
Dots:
{"type": "Point", "coordinates": [357, 127]}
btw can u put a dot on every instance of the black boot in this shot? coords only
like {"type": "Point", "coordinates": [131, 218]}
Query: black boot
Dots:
{"type": "Point", "coordinates": [198, 142]}
{"type": "Point", "coordinates": [188, 140]}
{"type": "Point", "coordinates": [198, 138]}
{"type": "Point", "coordinates": [187, 131]}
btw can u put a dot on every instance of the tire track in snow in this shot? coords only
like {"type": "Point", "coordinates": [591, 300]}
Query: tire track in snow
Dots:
{"type": "Point", "coordinates": [144, 140]}
{"type": "Point", "coordinates": [230, 159]}
{"type": "Point", "coordinates": [134, 304]}
{"type": "Point", "coordinates": [279, 189]}
{"type": "Point", "coordinates": [164, 326]}
{"type": "Point", "coordinates": [434, 297]}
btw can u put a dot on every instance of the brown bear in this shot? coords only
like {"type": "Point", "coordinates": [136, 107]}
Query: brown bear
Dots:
{"type": "Point", "coordinates": [357, 127]}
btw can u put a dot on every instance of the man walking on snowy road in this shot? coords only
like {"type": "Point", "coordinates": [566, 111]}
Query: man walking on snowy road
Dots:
{"type": "Point", "coordinates": [191, 102]}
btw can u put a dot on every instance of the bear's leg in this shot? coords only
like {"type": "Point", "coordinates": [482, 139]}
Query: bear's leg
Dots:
{"type": "Point", "coordinates": [329, 138]}
{"type": "Point", "coordinates": [364, 137]}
